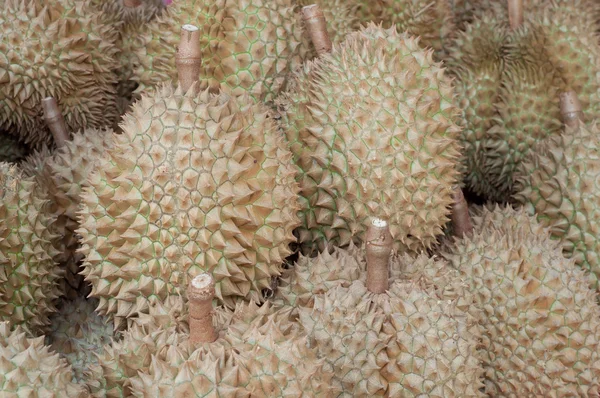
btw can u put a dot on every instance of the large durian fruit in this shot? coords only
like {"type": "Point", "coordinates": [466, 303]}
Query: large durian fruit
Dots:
{"type": "Point", "coordinates": [79, 334]}
{"type": "Point", "coordinates": [558, 185]}
{"type": "Point", "coordinates": [55, 48]}
{"type": "Point", "coordinates": [31, 369]}
{"type": "Point", "coordinates": [413, 338]}
{"type": "Point", "coordinates": [246, 46]}
{"type": "Point", "coordinates": [540, 319]}
{"type": "Point", "coordinates": [371, 126]}
{"type": "Point", "coordinates": [197, 182]}
{"type": "Point", "coordinates": [29, 276]}
{"type": "Point", "coordinates": [253, 351]}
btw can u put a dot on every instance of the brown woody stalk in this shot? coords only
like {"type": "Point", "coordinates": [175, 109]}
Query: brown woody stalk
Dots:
{"type": "Point", "coordinates": [55, 121]}
{"type": "Point", "coordinates": [379, 246]}
{"type": "Point", "coordinates": [201, 292]}
{"type": "Point", "coordinates": [316, 25]}
{"type": "Point", "coordinates": [515, 13]}
{"type": "Point", "coordinates": [188, 57]}
{"type": "Point", "coordinates": [570, 108]}
{"type": "Point", "coordinates": [461, 220]}
{"type": "Point", "coordinates": [132, 3]}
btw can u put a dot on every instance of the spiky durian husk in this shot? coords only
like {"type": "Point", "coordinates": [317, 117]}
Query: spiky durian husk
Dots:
{"type": "Point", "coordinates": [246, 46]}
{"type": "Point", "coordinates": [414, 339]}
{"type": "Point", "coordinates": [11, 150]}
{"type": "Point", "coordinates": [78, 333]}
{"type": "Point", "coordinates": [54, 48]}
{"type": "Point", "coordinates": [259, 349]}
{"type": "Point", "coordinates": [540, 320]}
{"type": "Point", "coordinates": [28, 274]}
{"type": "Point", "coordinates": [371, 128]}
{"type": "Point", "coordinates": [476, 60]}
{"type": "Point", "coordinates": [558, 184]}
{"type": "Point", "coordinates": [196, 183]}
{"type": "Point", "coordinates": [30, 369]}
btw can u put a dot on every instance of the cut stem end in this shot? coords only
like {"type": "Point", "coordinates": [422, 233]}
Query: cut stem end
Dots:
{"type": "Point", "coordinates": [188, 57]}
{"type": "Point", "coordinates": [515, 13]}
{"type": "Point", "coordinates": [461, 220]}
{"type": "Point", "coordinates": [201, 292]}
{"type": "Point", "coordinates": [55, 121]}
{"type": "Point", "coordinates": [570, 108]}
{"type": "Point", "coordinates": [316, 25]}
{"type": "Point", "coordinates": [132, 3]}
{"type": "Point", "coordinates": [379, 244]}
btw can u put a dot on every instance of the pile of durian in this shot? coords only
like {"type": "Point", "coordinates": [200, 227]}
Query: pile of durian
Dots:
{"type": "Point", "coordinates": [299, 198]}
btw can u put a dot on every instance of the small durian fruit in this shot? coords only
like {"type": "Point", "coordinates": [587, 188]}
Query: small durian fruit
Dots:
{"type": "Point", "coordinates": [54, 48]}
{"type": "Point", "coordinates": [62, 174]}
{"type": "Point", "coordinates": [198, 182]}
{"type": "Point", "coordinates": [31, 369]}
{"type": "Point", "coordinates": [558, 185]}
{"type": "Point", "coordinates": [247, 47]}
{"type": "Point", "coordinates": [394, 328]}
{"type": "Point", "coordinates": [540, 320]}
{"type": "Point", "coordinates": [253, 350]}
{"type": "Point", "coordinates": [29, 276]}
{"type": "Point", "coordinates": [371, 126]}
{"type": "Point", "coordinates": [79, 334]}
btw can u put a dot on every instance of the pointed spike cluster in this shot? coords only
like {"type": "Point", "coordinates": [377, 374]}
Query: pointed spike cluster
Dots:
{"type": "Point", "coordinates": [570, 108]}
{"type": "Point", "coordinates": [461, 220]}
{"type": "Point", "coordinates": [188, 57]}
{"type": "Point", "coordinates": [201, 292]}
{"type": "Point", "coordinates": [379, 244]}
{"type": "Point", "coordinates": [316, 25]}
{"type": "Point", "coordinates": [55, 121]}
{"type": "Point", "coordinates": [515, 13]}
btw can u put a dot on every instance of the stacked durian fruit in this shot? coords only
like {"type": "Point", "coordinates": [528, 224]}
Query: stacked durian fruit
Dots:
{"type": "Point", "coordinates": [294, 198]}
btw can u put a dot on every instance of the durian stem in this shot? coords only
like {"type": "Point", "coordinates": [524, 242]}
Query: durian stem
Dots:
{"type": "Point", "coordinates": [515, 13]}
{"type": "Point", "coordinates": [55, 121]}
{"type": "Point", "coordinates": [132, 3]}
{"type": "Point", "coordinates": [201, 292]}
{"type": "Point", "coordinates": [379, 246]}
{"type": "Point", "coordinates": [570, 108]}
{"type": "Point", "coordinates": [188, 57]}
{"type": "Point", "coordinates": [316, 25]}
{"type": "Point", "coordinates": [461, 220]}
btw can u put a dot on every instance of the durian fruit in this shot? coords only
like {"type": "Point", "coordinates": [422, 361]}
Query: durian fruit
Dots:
{"type": "Point", "coordinates": [558, 186]}
{"type": "Point", "coordinates": [79, 334]}
{"type": "Point", "coordinates": [28, 274]}
{"type": "Point", "coordinates": [409, 336]}
{"type": "Point", "coordinates": [54, 48]}
{"type": "Point", "coordinates": [197, 182]}
{"type": "Point", "coordinates": [371, 126]}
{"type": "Point", "coordinates": [540, 320]}
{"type": "Point", "coordinates": [31, 369]}
{"type": "Point", "coordinates": [11, 150]}
{"type": "Point", "coordinates": [253, 351]}
{"type": "Point", "coordinates": [246, 46]}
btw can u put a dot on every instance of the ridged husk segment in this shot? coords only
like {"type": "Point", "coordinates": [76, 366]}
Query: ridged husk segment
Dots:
{"type": "Point", "coordinates": [63, 174]}
{"type": "Point", "coordinates": [415, 339]}
{"type": "Point", "coordinates": [28, 274]}
{"type": "Point", "coordinates": [31, 369]}
{"type": "Point", "coordinates": [56, 49]}
{"type": "Point", "coordinates": [259, 350]}
{"type": "Point", "coordinates": [196, 183]}
{"type": "Point", "coordinates": [431, 20]}
{"type": "Point", "coordinates": [371, 126]}
{"type": "Point", "coordinates": [78, 334]}
{"type": "Point", "coordinates": [476, 60]}
{"type": "Point", "coordinates": [558, 184]}
{"type": "Point", "coordinates": [540, 320]}
{"type": "Point", "coordinates": [246, 46]}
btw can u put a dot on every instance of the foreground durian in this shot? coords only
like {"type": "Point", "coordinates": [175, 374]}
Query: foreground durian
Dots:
{"type": "Point", "coordinates": [246, 46]}
{"type": "Point", "coordinates": [410, 336]}
{"type": "Point", "coordinates": [371, 126]}
{"type": "Point", "coordinates": [540, 320]}
{"type": "Point", "coordinates": [253, 351]}
{"type": "Point", "coordinates": [197, 182]}
{"type": "Point", "coordinates": [54, 48]}
{"type": "Point", "coordinates": [79, 334]}
{"type": "Point", "coordinates": [31, 369]}
{"type": "Point", "coordinates": [29, 276]}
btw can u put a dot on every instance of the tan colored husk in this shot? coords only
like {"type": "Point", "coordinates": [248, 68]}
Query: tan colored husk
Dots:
{"type": "Point", "coordinates": [379, 243]}
{"type": "Point", "coordinates": [188, 57]}
{"type": "Point", "coordinates": [570, 108]}
{"type": "Point", "coordinates": [55, 121]}
{"type": "Point", "coordinates": [316, 25]}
